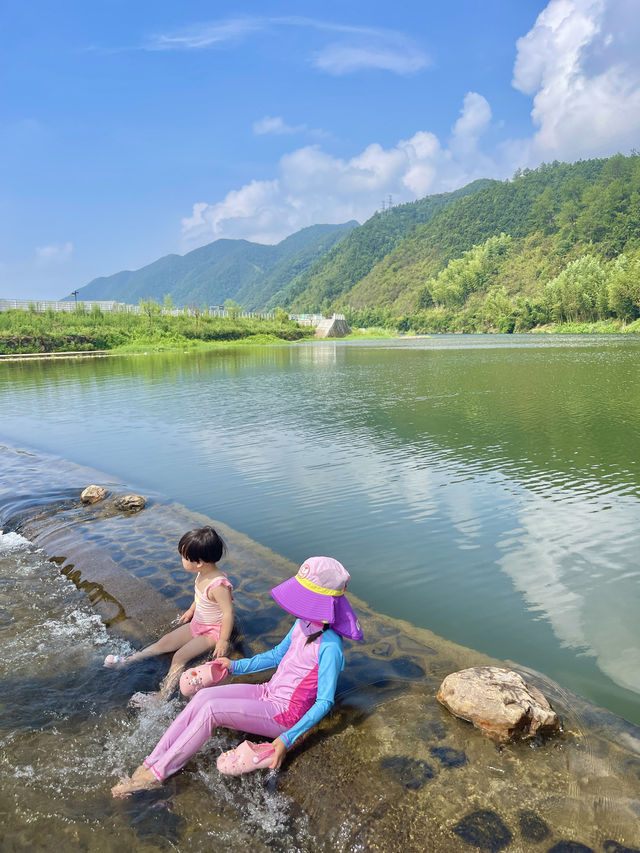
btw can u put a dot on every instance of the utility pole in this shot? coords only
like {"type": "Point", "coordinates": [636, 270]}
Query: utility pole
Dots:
{"type": "Point", "coordinates": [75, 293]}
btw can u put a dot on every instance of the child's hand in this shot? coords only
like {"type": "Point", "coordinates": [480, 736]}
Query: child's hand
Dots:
{"type": "Point", "coordinates": [280, 752]}
{"type": "Point", "coordinates": [186, 617]}
{"type": "Point", "coordinates": [221, 649]}
{"type": "Point", "coordinates": [225, 662]}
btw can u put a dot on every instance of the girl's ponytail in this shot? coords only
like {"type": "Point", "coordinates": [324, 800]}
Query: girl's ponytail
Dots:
{"type": "Point", "coordinates": [315, 636]}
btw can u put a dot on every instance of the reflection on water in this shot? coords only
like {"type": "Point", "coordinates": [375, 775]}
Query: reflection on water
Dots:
{"type": "Point", "coordinates": [486, 488]}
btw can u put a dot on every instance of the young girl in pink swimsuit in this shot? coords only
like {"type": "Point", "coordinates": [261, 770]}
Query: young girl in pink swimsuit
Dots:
{"type": "Point", "coordinates": [297, 696]}
{"type": "Point", "coordinates": [210, 617]}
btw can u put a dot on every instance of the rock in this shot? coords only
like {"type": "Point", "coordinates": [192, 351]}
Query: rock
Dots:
{"type": "Point", "coordinates": [484, 829]}
{"type": "Point", "coordinates": [499, 702]}
{"type": "Point", "coordinates": [130, 503]}
{"type": "Point", "coordinates": [93, 494]}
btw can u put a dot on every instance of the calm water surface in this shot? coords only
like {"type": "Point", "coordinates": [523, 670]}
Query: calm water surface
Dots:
{"type": "Point", "coordinates": [487, 488]}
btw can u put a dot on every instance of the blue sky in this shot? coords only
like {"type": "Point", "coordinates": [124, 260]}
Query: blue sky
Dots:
{"type": "Point", "coordinates": [129, 130]}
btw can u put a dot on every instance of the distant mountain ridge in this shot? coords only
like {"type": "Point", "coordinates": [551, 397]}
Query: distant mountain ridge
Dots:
{"type": "Point", "coordinates": [557, 243]}
{"type": "Point", "coordinates": [245, 272]}
{"type": "Point", "coordinates": [347, 263]}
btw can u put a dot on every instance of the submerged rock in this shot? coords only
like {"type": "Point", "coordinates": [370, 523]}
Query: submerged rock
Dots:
{"type": "Point", "coordinates": [93, 494]}
{"type": "Point", "coordinates": [484, 829]}
{"type": "Point", "coordinates": [499, 702]}
{"type": "Point", "coordinates": [130, 503]}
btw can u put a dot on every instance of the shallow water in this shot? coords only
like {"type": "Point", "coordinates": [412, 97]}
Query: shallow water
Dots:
{"type": "Point", "coordinates": [486, 488]}
{"type": "Point", "coordinates": [389, 769]}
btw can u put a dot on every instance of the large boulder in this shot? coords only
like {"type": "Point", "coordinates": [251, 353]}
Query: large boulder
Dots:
{"type": "Point", "coordinates": [499, 702]}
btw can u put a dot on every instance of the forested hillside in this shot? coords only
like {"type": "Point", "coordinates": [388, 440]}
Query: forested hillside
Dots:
{"type": "Point", "coordinates": [347, 263]}
{"type": "Point", "coordinates": [560, 243]}
{"type": "Point", "coordinates": [237, 270]}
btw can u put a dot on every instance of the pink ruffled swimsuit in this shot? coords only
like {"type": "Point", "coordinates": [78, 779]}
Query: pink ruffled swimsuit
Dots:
{"type": "Point", "coordinates": [207, 617]}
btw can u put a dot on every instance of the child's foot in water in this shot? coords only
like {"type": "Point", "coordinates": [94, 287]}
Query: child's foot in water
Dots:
{"type": "Point", "coordinates": [115, 661]}
{"type": "Point", "coordinates": [146, 700]}
{"type": "Point", "coordinates": [140, 780]}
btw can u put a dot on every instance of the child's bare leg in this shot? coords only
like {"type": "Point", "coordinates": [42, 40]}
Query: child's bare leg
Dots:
{"type": "Point", "coordinates": [141, 779]}
{"type": "Point", "coordinates": [194, 648]}
{"type": "Point", "coordinates": [168, 643]}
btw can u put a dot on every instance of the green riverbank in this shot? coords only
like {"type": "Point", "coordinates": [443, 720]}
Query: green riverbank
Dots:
{"type": "Point", "coordinates": [97, 333]}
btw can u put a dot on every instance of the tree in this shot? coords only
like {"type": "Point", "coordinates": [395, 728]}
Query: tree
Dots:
{"type": "Point", "coordinates": [151, 309]}
{"type": "Point", "coordinates": [624, 288]}
{"type": "Point", "coordinates": [232, 308]}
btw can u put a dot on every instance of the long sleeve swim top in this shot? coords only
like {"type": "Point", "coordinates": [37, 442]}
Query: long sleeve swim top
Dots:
{"type": "Point", "coordinates": [305, 680]}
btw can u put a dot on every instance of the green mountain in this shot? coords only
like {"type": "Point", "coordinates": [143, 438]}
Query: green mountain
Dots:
{"type": "Point", "coordinates": [336, 272]}
{"type": "Point", "coordinates": [247, 273]}
{"type": "Point", "coordinates": [560, 243]}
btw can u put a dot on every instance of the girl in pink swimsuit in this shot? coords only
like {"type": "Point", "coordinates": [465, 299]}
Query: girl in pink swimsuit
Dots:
{"type": "Point", "coordinates": [298, 695]}
{"type": "Point", "coordinates": [210, 617]}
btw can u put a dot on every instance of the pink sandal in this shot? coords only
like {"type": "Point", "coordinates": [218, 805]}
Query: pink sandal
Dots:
{"type": "Point", "coordinates": [245, 758]}
{"type": "Point", "coordinates": [207, 675]}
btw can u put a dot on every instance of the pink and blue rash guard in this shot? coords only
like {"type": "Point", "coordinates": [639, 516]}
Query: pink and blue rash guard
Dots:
{"type": "Point", "coordinates": [304, 683]}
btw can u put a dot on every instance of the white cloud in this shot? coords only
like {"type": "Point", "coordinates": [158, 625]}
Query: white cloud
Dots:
{"type": "Point", "coordinates": [340, 59]}
{"type": "Point", "coordinates": [312, 186]}
{"type": "Point", "coordinates": [56, 253]}
{"type": "Point", "coordinates": [475, 117]}
{"type": "Point", "coordinates": [275, 124]}
{"type": "Point", "coordinates": [361, 48]}
{"type": "Point", "coordinates": [206, 35]}
{"type": "Point", "coordinates": [581, 63]}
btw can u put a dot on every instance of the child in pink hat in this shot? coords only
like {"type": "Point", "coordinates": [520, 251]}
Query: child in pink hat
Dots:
{"type": "Point", "coordinates": [299, 694]}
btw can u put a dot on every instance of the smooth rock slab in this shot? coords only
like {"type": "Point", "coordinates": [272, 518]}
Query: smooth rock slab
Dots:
{"type": "Point", "coordinates": [499, 702]}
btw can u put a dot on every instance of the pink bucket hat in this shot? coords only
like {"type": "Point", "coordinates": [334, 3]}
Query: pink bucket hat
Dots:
{"type": "Point", "coordinates": [316, 593]}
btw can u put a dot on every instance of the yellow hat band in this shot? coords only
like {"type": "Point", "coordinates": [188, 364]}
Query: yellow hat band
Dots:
{"type": "Point", "coordinates": [315, 588]}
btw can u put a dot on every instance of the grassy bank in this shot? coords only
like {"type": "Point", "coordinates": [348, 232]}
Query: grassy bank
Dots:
{"type": "Point", "coordinates": [29, 332]}
{"type": "Point", "coordinates": [79, 331]}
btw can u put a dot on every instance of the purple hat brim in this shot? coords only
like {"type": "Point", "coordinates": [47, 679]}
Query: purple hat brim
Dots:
{"type": "Point", "coordinates": [335, 610]}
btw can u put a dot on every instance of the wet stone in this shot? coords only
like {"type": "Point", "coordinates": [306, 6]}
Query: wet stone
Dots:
{"type": "Point", "coordinates": [152, 820]}
{"type": "Point", "coordinates": [170, 590]}
{"type": "Point", "coordinates": [250, 604]}
{"type": "Point", "coordinates": [532, 827]}
{"type": "Point", "coordinates": [432, 730]}
{"type": "Point", "coordinates": [615, 847]}
{"type": "Point", "coordinates": [408, 644]}
{"type": "Point", "coordinates": [406, 668]}
{"type": "Point", "coordinates": [570, 847]}
{"type": "Point", "coordinates": [484, 829]}
{"type": "Point", "coordinates": [146, 571]}
{"type": "Point", "coordinates": [252, 586]}
{"type": "Point", "coordinates": [448, 756]}
{"type": "Point", "coordinates": [413, 773]}
{"type": "Point", "coordinates": [382, 650]}
{"type": "Point", "coordinates": [264, 623]}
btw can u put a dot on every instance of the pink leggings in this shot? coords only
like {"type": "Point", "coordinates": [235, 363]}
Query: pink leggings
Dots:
{"type": "Point", "coordinates": [234, 706]}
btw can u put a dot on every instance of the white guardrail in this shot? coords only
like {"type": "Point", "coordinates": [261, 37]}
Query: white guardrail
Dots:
{"type": "Point", "coordinates": [42, 305]}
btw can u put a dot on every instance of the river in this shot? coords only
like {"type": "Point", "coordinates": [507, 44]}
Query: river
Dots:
{"type": "Point", "coordinates": [484, 488]}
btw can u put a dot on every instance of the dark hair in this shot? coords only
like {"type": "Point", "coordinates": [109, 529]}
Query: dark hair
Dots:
{"type": "Point", "coordinates": [202, 544]}
{"type": "Point", "coordinates": [315, 636]}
